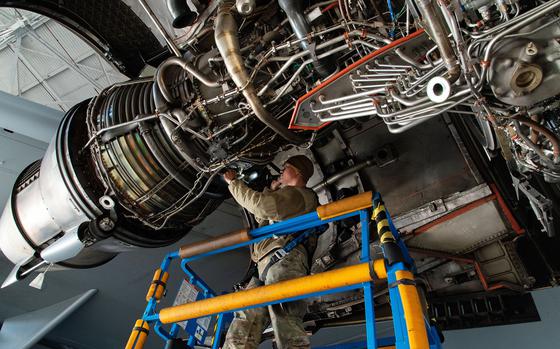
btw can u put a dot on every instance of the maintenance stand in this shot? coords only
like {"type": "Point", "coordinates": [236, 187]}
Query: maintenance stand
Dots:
{"type": "Point", "coordinates": [412, 330]}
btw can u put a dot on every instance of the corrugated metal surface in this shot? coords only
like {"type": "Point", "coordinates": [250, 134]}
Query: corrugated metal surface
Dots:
{"type": "Point", "coordinates": [44, 62]}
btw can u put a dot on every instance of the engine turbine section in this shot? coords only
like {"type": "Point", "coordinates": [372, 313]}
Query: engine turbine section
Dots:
{"type": "Point", "coordinates": [112, 180]}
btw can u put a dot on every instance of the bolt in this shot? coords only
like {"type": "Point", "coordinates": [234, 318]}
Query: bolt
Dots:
{"type": "Point", "coordinates": [531, 49]}
{"type": "Point", "coordinates": [106, 224]}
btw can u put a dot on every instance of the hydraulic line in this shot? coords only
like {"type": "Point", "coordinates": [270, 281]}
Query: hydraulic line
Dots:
{"type": "Point", "coordinates": [228, 45]}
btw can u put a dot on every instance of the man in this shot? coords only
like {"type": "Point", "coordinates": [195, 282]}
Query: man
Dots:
{"type": "Point", "coordinates": [288, 197]}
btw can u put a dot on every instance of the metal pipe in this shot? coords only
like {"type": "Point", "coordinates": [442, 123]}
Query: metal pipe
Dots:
{"type": "Point", "coordinates": [330, 280]}
{"type": "Point", "coordinates": [295, 13]}
{"type": "Point", "coordinates": [180, 12]}
{"type": "Point", "coordinates": [343, 174]}
{"type": "Point", "coordinates": [407, 102]}
{"type": "Point", "coordinates": [345, 98]}
{"type": "Point", "coordinates": [300, 69]}
{"type": "Point", "coordinates": [298, 22]}
{"type": "Point", "coordinates": [411, 61]}
{"type": "Point", "coordinates": [170, 44]}
{"type": "Point", "coordinates": [298, 55]}
{"type": "Point", "coordinates": [534, 135]}
{"type": "Point", "coordinates": [421, 107]}
{"type": "Point", "coordinates": [345, 116]}
{"type": "Point", "coordinates": [125, 127]}
{"type": "Point", "coordinates": [289, 60]}
{"type": "Point", "coordinates": [228, 45]}
{"type": "Point", "coordinates": [516, 19]}
{"type": "Point", "coordinates": [359, 101]}
{"type": "Point", "coordinates": [437, 32]}
{"type": "Point", "coordinates": [185, 65]}
{"type": "Point", "coordinates": [545, 132]}
{"type": "Point", "coordinates": [219, 242]}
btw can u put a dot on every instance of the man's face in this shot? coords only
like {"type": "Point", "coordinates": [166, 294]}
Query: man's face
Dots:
{"type": "Point", "coordinates": [289, 174]}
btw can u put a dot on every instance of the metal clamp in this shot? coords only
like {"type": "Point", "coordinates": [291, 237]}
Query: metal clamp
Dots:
{"type": "Point", "coordinates": [280, 253]}
{"type": "Point", "coordinates": [406, 282]}
{"type": "Point", "coordinates": [541, 205]}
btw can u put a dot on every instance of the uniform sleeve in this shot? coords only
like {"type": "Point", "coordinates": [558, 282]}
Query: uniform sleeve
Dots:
{"type": "Point", "coordinates": [270, 205]}
{"type": "Point", "coordinates": [262, 205]}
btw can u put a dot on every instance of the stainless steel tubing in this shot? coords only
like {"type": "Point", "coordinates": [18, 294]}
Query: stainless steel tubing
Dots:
{"type": "Point", "coordinates": [362, 111]}
{"type": "Point", "coordinates": [371, 112]}
{"type": "Point", "coordinates": [346, 98]}
{"type": "Point", "coordinates": [295, 12]}
{"type": "Point", "coordinates": [420, 110]}
{"type": "Point", "coordinates": [513, 21]}
{"type": "Point", "coordinates": [407, 102]}
{"type": "Point", "coordinates": [418, 82]}
{"type": "Point", "coordinates": [437, 32]}
{"type": "Point", "coordinates": [421, 106]}
{"type": "Point", "coordinates": [228, 44]}
{"type": "Point", "coordinates": [185, 65]}
{"type": "Point", "coordinates": [300, 69]}
{"type": "Point", "coordinates": [343, 174]}
{"type": "Point", "coordinates": [411, 61]}
{"type": "Point", "coordinates": [385, 70]}
{"type": "Point", "coordinates": [331, 107]}
{"type": "Point", "coordinates": [298, 22]}
{"type": "Point", "coordinates": [291, 59]}
{"type": "Point", "coordinates": [424, 117]}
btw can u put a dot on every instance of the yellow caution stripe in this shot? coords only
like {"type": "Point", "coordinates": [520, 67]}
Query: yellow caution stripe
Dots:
{"type": "Point", "coordinates": [386, 237]}
{"type": "Point", "coordinates": [382, 224]}
{"type": "Point", "coordinates": [379, 209]}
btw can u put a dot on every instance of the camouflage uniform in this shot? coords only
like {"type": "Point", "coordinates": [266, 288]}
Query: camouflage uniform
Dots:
{"type": "Point", "coordinates": [287, 318]}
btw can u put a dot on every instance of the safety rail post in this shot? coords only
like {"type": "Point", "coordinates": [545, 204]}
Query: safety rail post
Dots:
{"type": "Point", "coordinates": [411, 328]}
{"type": "Point", "coordinates": [365, 256]}
{"type": "Point", "coordinates": [156, 291]}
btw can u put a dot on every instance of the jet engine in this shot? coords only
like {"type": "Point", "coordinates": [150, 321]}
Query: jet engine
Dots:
{"type": "Point", "coordinates": [138, 165]}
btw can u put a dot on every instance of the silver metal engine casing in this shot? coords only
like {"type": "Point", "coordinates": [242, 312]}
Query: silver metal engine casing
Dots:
{"type": "Point", "coordinates": [44, 208]}
{"type": "Point", "coordinates": [510, 59]}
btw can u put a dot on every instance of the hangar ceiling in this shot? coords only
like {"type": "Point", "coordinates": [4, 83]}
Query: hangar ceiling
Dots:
{"type": "Point", "coordinates": [42, 61]}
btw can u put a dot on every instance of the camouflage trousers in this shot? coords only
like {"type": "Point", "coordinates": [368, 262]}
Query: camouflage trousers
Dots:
{"type": "Point", "coordinates": [286, 318]}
